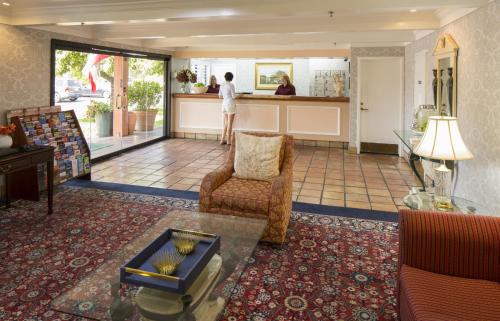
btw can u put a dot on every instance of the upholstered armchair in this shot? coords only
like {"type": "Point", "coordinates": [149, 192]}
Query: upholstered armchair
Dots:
{"type": "Point", "coordinates": [222, 193]}
{"type": "Point", "coordinates": [449, 266]}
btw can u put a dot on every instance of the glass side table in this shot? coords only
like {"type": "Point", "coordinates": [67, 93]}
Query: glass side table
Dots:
{"type": "Point", "coordinates": [425, 201]}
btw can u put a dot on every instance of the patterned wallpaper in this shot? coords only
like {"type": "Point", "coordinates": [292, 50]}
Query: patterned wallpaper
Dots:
{"type": "Point", "coordinates": [478, 98]}
{"type": "Point", "coordinates": [25, 65]}
{"type": "Point", "coordinates": [355, 54]}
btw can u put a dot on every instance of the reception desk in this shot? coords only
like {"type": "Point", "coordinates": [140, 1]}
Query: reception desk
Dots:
{"type": "Point", "coordinates": [321, 119]}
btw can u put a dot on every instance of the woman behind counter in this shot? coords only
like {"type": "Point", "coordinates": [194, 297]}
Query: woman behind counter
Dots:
{"type": "Point", "coordinates": [286, 87]}
{"type": "Point", "coordinates": [213, 87]}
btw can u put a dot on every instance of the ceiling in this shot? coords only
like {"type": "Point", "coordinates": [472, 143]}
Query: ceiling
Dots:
{"type": "Point", "coordinates": [201, 25]}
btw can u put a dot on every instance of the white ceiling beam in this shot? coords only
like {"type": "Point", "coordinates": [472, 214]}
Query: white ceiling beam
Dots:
{"type": "Point", "coordinates": [265, 26]}
{"type": "Point", "coordinates": [47, 12]}
{"type": "Point", "coordinates": [240, 24]}
{"type": "Point", "coordinates": [327, 39]}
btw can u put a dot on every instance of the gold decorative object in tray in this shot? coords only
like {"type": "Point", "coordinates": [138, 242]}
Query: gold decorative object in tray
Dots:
{"type": "Point", "coordinates": [185, 241]}
{"type": "Point", "coordinates": [166, 262]}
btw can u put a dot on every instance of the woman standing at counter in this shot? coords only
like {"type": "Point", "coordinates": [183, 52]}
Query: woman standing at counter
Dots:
{"type": "Point", "coordinates": [228, 94]}
{"type": "Point", "coordinates": [286, 87]}
{"type": "Point", "coordinates": [213, 87]}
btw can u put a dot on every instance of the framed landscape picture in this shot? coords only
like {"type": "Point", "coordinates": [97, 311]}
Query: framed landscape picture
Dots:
{"type": "Point", "coordinates": [268, 75]}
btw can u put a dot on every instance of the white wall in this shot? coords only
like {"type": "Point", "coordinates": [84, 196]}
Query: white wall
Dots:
{"type": "Point", "coordinates": [244, 71]}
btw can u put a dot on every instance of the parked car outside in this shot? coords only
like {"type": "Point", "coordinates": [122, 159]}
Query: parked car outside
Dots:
{"type": "Point", "coordinates": [103, 90]}
{"type": "Point", "coordinates": [99, 92]}
{"type": "Point", "coordinates": [66, 89]}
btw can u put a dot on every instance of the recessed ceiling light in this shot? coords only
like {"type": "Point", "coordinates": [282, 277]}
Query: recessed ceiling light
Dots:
{"type": "Point", "coordinates": [7, 4]}
{"type": "Point", "coordinates": [226, 12]}
{"type": "Point", "coordinates": [84, 23]}
{"type": "Point", "coordinates": [147, 37]}
{"type": "Point", "coordinates": [413, 10]}
{"type": "Point", "coordinates": [147, 20]}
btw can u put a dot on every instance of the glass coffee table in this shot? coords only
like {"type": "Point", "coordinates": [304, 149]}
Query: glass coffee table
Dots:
{"type": "Point", "coordinates": [101, 296]}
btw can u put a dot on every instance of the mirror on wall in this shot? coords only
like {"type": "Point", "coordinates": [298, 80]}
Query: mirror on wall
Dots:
{"type": "Point", "coordinates": [445, 76]}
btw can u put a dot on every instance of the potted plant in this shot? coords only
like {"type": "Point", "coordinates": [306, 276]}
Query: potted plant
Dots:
{"type": "Point", "coordinates": [184, 77]}
{"type": "Point", "coordinates": [145, 95]}
{"type": "Point", "coordinates": [132, 118]}
{"type": "Point", "coordinates": [103, 115]}
{"type": "Point", "coordinates": [5, 138]}
{"type": "Point", "coordinates": [199, 88]}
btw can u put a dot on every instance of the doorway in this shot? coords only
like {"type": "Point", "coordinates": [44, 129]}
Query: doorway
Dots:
{"type": "Point", "coordinates": [120, 98]}
{"type": "Point", "coordinates": [380, 98]}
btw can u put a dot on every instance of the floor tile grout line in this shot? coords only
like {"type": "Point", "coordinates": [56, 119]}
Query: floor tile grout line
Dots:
{"type": "Point", "coordinates": [385, 181]}
{"type": "Point", "coordinates": [315, 164]}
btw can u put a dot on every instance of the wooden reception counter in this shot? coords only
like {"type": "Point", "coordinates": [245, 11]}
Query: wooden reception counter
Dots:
{"type": "Point", "coordinates": [306, 118]}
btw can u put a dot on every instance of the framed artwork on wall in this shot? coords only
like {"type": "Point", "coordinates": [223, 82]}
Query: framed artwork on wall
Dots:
{"type": "Point", "coordinates": [268, 75]}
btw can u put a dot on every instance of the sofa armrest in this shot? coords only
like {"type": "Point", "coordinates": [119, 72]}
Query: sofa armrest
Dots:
{"type": "Point", "coordinates": [284, 182]}
{"type": "Point", "coordinates": [454, 244]}
{"type": "Point", "coordinates": [211, 182]}
{"type": "Point", "coordinates": [282, 187]}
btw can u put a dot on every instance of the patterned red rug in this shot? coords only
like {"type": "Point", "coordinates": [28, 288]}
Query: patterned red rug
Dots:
{"type": "Point", "coordinates": [331, 268]}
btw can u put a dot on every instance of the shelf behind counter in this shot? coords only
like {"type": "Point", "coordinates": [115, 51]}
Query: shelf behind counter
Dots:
{"type": "Point", "coordinates": [306, 118]}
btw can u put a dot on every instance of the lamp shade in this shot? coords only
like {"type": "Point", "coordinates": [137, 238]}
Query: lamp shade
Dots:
{"type": "Point", "coordinates": [442, 140]}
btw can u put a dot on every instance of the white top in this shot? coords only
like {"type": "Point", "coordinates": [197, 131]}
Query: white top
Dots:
{"type": "Point", "coordinates": [228, 94]}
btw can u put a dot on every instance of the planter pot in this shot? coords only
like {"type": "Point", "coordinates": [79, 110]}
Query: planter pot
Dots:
{"type": "Point", "coordinates": [145, 120]}
{"type": "Point", "coordinates": [5, 141]}
{"type": "Point", "coordinates": [104, 124]}
{"type": "Point", "coordinates": [131, 122]}
{"type": "Point", "coordinates": [199, 90]}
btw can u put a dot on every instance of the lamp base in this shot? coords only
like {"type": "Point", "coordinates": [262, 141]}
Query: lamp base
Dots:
{"type": "Point", "coordinates": [442, 182]}
{"type": "Point", "coordinates": [443, 203]}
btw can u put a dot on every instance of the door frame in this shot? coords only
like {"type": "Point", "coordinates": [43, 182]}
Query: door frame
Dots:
{"type": "Point", "coordinates": [358, 98]}
{"type": "Point", "coordinates": [426, 74]}
{"type": "Point", "coordinates": [58, 44]}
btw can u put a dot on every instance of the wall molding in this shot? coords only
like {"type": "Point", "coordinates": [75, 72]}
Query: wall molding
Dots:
{"type": "Point", "coordinates": [290, 108]}
{"type": "Point", "coordinates": [266, 107]}
{"type": "Point", "coordinates": [183, 106]}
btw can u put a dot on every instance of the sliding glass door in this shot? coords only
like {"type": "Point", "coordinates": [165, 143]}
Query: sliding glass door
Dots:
{"type": "Point", "coordinates": [120, 98]}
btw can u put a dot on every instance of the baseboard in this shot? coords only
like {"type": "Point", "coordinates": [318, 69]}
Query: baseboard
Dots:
{"type": "Point", "coordinates": [377, 148]}
{"type": "Point", "coordinates": [298, 142]}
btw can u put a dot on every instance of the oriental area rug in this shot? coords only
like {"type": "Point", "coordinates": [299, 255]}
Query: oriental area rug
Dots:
{"type": "Point", "coordinates": [331, 267]}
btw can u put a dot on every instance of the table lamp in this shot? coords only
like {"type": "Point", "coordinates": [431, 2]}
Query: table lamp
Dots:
{"type": "Point", "coordinates": [442, 140]}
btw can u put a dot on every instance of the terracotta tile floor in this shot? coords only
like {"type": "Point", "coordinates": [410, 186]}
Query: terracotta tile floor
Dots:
{"type": "Point", "coordinates": [322, 175]}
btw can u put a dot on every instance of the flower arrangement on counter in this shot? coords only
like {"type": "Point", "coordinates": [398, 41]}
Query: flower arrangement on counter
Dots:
{"type": "Point", "coordinates": [185, 76]}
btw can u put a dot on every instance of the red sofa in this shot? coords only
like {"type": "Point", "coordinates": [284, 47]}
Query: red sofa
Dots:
{"type": "Point", "coordinates": [449, 267]}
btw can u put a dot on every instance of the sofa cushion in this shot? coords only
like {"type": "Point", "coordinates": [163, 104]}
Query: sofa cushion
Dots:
{"type": "Point", "coordinates": [243, 195]}
{"type": "Point", "coordinates": [437, 297]}
{"type": "Point", "coordinates": [257, 157]}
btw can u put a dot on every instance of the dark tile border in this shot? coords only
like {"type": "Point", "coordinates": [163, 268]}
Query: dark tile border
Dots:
{"type": "Point", "coordinates": [297, 206]}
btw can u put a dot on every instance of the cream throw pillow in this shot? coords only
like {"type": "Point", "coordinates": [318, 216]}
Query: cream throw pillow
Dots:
{"type": "Point", "coordinates": [257, 157]}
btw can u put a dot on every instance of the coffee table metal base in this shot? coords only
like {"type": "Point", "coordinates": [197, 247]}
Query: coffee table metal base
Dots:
{"type": "Point", "coordinates": [162, 306]}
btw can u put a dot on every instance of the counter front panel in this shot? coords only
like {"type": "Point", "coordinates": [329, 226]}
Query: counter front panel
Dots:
{"type": "Point", "coordinates": [309, 118]}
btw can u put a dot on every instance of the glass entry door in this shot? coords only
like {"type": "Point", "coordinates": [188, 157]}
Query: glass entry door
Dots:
{"type": "Point", "coordinates": [118, 100]}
